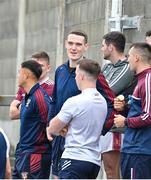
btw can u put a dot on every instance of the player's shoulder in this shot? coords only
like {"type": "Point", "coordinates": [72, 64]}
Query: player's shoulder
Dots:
{"type": "Point", "coordinates": [4, 136]}
{"type": "Point", "coordinates": [1, 131]}
{"type": "Point", "coordinates": [63, 66]}
{"type": "Point", "coordinates": [49, 82]}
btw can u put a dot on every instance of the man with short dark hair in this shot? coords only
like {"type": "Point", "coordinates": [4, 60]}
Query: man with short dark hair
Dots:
{"type": "Point", "coordinates": [34, 151]}
{"type": "Point", "coordinates": [85, 115]}
{"type": "Point", "coordinates": [121, 80]}
{"type": "Point", "coordinates": [46, 83]}
{"type": "Point", "coordinates": [136, 154]}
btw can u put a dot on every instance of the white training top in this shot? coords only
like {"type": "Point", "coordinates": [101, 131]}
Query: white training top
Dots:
{"type": "Point", "coordinates": [85, 114]}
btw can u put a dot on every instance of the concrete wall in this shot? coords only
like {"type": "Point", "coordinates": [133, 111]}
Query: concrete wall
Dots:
{"type": "Point", "coordinates": [8, 49]}
{"type": "Point", "coordinates": [47, 23]}
{"type": "Point", "coordinates": [90, 16]}
{"type": "Point", "coordinates": [137, 8]}
{"type": "Point", "coordinates": [8, 39]}
{"type": "Point", "coordinates": [41, 27]}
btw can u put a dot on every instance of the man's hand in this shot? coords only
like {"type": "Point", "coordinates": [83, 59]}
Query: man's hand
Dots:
{"type": "Point", "coordinates": [119, 120]}
{"type": "Point", "coordinates": [64, 131]}
{"type": "Point", "coordinates": [14, 111]}
{"type": "Point", "coordinates": [119, 103]}
{"type": "Point", "coordinates": [55, 127]}
{"type": "Point", "coordinates": [49, 136]}
{"type": "Point", "coordinates": [15, 102]}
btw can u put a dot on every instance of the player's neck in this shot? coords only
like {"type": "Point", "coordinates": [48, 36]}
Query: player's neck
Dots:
{"type": "Point", "coordinates": [142, 67]}
{"type": "Point", "coordinates": [116, 57]}
{"type": "Point", "coordinates": [27, 87]}
{"type": "Point", "coordinates": [88, 85]}
{"type": "Point", "coordinates": [73, 63]}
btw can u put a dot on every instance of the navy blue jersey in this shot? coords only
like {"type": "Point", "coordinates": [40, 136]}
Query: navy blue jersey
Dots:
{"type": "Point", "coordinates": [66, 87]}
{"type": "Point", "coordinates": [4, 153]}
{"type": "Point", "coordinates": [34, 116]}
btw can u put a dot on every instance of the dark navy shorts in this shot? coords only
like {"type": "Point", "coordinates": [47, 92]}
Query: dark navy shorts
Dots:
{"type": "Point", "coordinates": [135, 166]}
{"type": "Point", "coordinates": [75, 169]}
{"type": "Point", "coordinates": [32, 166]}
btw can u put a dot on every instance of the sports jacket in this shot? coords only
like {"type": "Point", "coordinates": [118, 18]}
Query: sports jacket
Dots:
{"type": "Point", "coordinates": [137, 138]}
{"type": "Point", "coordinates": [120, 78]}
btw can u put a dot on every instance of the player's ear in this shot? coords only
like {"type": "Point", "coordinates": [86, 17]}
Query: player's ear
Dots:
{"type": "Point", "coordinates": [110, 47]}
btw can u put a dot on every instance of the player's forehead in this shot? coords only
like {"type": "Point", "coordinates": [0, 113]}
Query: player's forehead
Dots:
{"type": "Point", "coordinates": [75, 38]}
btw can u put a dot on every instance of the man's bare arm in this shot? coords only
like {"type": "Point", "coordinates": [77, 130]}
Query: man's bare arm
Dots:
{"type": "Point", "coordinates": [55, 126]}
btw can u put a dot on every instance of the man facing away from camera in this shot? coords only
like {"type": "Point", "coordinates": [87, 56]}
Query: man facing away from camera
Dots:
{"type": "Point", "coordinates": [85, 115]}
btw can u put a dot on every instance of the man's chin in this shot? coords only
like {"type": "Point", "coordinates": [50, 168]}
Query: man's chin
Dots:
{"type": "Point", "coordinates": [74, 59]}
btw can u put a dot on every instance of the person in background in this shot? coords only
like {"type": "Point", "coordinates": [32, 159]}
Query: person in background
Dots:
{"type": "Point", "coordinates": [34, 151]}
{"type": "Point", "coordinates": [148, 37]}
{"type": "Point", "coordinates": [46, 83]}
{"type": "Point", "coordinates": [65, 87]}
{"type": "Point", "coordinates": [5, 168]}
{"type": "Point", "coordinates": [85, 115]}
{"type": "Point", "coordinates": [136, 154]}
{"type": "Point", "coordinates": [121, 80]}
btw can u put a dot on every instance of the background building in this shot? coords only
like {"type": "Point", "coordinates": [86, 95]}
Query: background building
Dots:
{"type": "Point", "coordinates": [27, 26]}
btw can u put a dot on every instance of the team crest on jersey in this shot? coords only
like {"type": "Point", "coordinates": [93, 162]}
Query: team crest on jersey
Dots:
{"type": "Point", "coordinates": [24, 175]}
{"type": "Point", "coordinates": [28, 102]}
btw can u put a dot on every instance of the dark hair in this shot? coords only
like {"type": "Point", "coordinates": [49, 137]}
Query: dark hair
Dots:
{"type": "Point", "coordinates": [34, 67]}
{"type": "Point", "coordinates": [117, 39]}
{"type": "Point", "coordinates": [90, 66]}
{"type": "Point", "coordinates": [43, 55]}
{"type": "Point", "coordinates": [143, 49]}
{"type": "Point", "coordinates": [148, 33]}
{"type": "Point", "coordinates": [80, 33]}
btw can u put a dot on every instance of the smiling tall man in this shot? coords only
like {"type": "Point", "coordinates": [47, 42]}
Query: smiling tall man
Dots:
{"type": "Point", "coordinates": [65, 87]}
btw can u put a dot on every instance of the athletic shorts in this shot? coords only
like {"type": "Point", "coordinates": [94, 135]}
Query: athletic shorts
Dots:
{"type": "Point", "coordinates": [112, 141]}
{"type": "Point", "coordinates": [32, 166]}
{"type": "Point", "coordinates": [76, 169]}
{"type": "Point", "coordinates": [135, 166]}
{"type": "Point", "coordinates": [57, 150]}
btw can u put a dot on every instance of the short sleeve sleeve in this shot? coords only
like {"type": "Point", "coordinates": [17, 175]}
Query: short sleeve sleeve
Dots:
{"type": "Point", "coordinates": [68, 111]}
